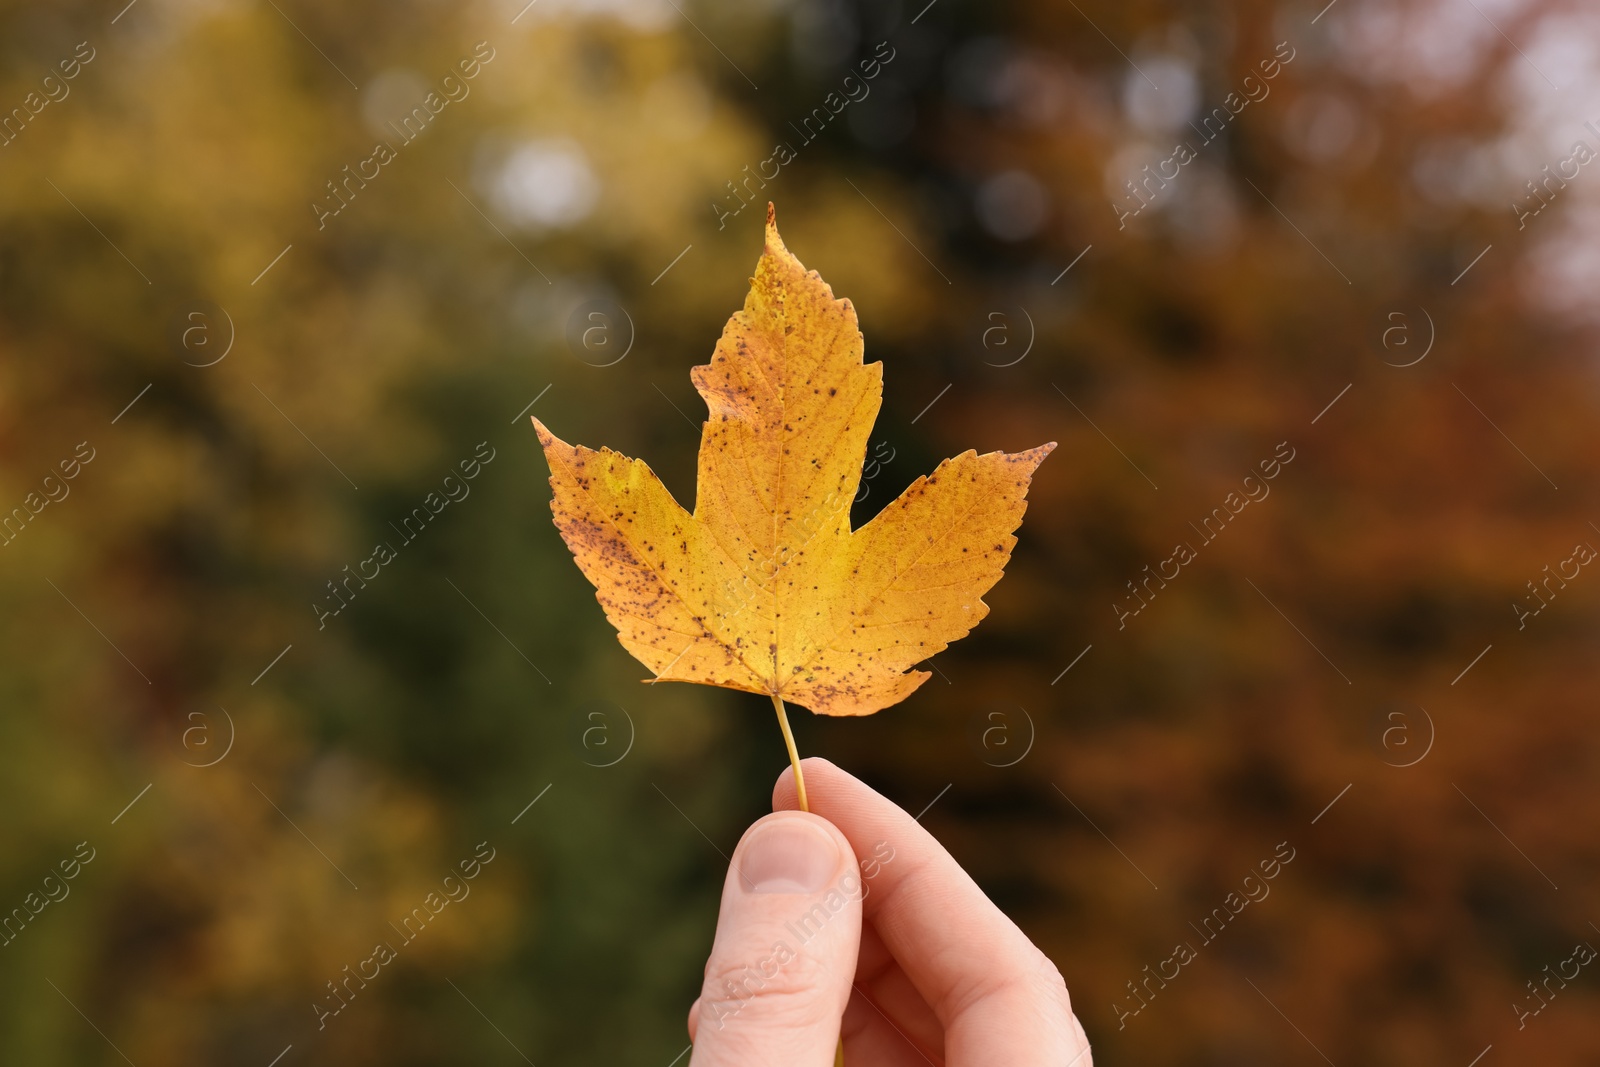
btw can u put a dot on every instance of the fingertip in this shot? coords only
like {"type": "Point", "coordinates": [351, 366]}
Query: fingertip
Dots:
{"type": "Point", "coordinates": [785, 797]}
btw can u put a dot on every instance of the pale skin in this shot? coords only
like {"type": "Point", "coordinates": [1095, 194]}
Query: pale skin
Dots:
{"type": "Point", "coordinates": [853, 922]}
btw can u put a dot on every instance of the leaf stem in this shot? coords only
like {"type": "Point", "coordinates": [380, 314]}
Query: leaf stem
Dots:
{"type": "Point", "coordinates": [794, 755]}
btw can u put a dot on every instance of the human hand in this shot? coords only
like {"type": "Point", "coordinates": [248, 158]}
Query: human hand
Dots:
{"type": "Point", "coordinates": [901, 953]}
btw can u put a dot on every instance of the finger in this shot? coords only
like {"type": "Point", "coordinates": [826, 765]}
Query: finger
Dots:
{"type": "Point", "coordinates": [781, 966]}
{"type": "Point", "coordinates": [998, 997]}
{"type": "Point", "coordinates": [889, 1001]}
{"type": "Point", "coordinates": [871, 1037]}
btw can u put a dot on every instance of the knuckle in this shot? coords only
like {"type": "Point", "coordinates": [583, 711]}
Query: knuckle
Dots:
{"type": "Point", "coordinates": [1050, 987]}
{"type": "Point", "coordinates": [783, 985]}
{"type": "Point", "coordinates": [1050, 992]}
{"type": "Point", "coordinates": [1032, 980]}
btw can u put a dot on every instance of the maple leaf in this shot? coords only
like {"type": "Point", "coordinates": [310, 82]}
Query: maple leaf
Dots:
{"type": "Point", "coordinates": [765, 587]}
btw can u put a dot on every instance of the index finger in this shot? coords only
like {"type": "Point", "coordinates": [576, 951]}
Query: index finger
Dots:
{"type": "Point", "coordinates": [1000, 999]}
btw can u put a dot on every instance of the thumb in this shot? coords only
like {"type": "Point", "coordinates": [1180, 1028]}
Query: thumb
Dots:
{"type": "Point", "coordinates": [784, 958]}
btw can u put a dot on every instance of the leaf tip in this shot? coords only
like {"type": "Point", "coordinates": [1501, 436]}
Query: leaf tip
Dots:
{"type": "Point", "coordinates": [1032, 457]}
{"type": "Point", "coordinates": [774, 243]}
{"type": "Point", "coordinates": [546, 438]}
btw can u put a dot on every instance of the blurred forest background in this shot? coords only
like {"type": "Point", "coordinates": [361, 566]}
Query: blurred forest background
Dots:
{"type": "Point", "coordinates": [267, 389]}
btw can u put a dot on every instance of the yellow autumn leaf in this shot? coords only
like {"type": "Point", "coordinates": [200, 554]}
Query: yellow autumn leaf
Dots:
{"type": "Point", "coordinates": [765, 587]}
